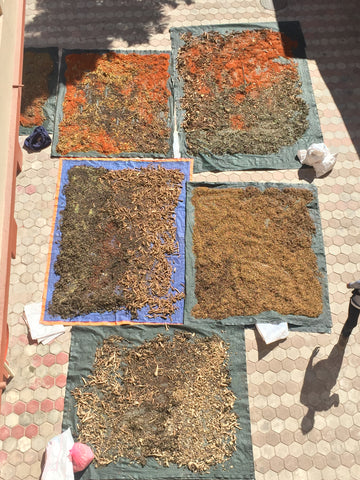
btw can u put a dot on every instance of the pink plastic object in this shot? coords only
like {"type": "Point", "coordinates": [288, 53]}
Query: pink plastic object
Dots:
{"type": "Point", "coordinates": [81, 456]}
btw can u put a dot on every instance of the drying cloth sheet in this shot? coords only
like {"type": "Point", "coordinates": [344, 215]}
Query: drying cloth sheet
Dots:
{"type": "Point", "coordinates": [83, 346]}
{"type": "Point", "coordinates": [33, 61]}
{"type": "Point", "coordinates": [321, 324]}
{"type": "Point", "coordinates": [285, 158]}
{"type": "Point", "coordinates": [106, 118]}
{"type": "Point", "coordinates": [178, 278]}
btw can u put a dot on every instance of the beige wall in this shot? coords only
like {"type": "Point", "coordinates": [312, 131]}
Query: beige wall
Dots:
{"type": "Point", "coordinates": [8, 54]}
{"type": "Point", "coordinates": [11, 55]}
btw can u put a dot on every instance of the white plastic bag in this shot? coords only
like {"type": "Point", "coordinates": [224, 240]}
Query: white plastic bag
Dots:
{"type": "Point", "coordinates": [319, 157]}
{"type": "Point", "coordinates": [272, 333]}
{"type": "Point", "coordinates": [58, 464]}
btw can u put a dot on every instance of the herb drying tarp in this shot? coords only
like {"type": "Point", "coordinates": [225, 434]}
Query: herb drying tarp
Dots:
{"type": "Point", "coordinates": [31, 80]}
{"type": "Point", "coordinates": [114, 318]}
{"type": "Point", "coordinates": [321, 324]}
{"type": "Point", "coordinates": [103, 118]}
{"type": "Point", "coordinates": [238, 467]}
{"type": "Point", "coordinates": [285, 158]}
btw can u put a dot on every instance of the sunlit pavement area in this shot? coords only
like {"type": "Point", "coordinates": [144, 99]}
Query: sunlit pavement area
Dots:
{"type": "Point", "coordinates": [285, 446]}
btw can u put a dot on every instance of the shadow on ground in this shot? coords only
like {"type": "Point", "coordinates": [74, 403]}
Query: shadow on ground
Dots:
{"type": "Point", "coordinates": [264, 348]}
{"type": "Point", "coordinates": [96, 23]}
{"type": "Point", "coordinates": [334, 51]}
{"type": "Point", "coordinates": [318, 382]}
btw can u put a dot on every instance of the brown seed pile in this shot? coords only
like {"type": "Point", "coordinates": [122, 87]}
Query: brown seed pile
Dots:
{"type": "Point", "coordinates": [253, 253]}
{"type": "Point", "coordinates": [168, 398]}
{"type": "Point", "coordinates": [118, 232]}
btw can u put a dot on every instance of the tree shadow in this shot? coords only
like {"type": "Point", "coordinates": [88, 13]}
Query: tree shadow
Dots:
{"type": "Point", "coordinates": [332, 46]}
{"type": "Point", "coordinates": [96, 23]}
{"type": "Point", "coordinates": [318, 381]}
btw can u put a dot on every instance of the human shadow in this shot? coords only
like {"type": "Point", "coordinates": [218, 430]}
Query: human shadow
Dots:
{"type": "Point", "coordinates": [96, 23]}
{"type": "Point", "coordinates": [318, 381]}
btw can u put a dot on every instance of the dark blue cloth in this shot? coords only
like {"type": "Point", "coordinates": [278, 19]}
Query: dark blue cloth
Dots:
{"type": "Point", "coordinates": [37, 140]}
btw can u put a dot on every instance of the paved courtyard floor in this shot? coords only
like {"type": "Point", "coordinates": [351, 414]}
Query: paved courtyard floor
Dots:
{"type": "Point", "coordinates": [284, 449]}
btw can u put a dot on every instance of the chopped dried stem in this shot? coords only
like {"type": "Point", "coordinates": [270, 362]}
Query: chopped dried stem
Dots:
{"type": "Point", "coordinates": [242, 93]}
{"type": "Point", "coordinates": [115, 103]}
{"type": "Point", "coordinates": [36, 70]}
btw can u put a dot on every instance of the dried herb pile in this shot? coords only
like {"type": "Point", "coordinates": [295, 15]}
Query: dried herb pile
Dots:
{"type": "Point", "coordinates": [253, 253]}
{"type": "Point", "coordinates": [37, 67]}
{"type": "Point", "coordinates": [115, 103]}
{"type": "Point", "coordinates": [168, 398]}
{"type": "Point", "coordinates": [241, 92]}
{"type": "Point", "coordinates": [118, 233]}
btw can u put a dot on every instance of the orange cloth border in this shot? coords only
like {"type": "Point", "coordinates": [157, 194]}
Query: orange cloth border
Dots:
{"type": "Point", "coordinates": [94, 159]}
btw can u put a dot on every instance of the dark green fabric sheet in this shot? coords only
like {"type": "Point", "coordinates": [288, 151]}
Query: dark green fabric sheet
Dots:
{"type": "Point", "coordinates": [84, 341]}
{"type": "Point", "coordinates": [93, 153]}
{"type": "Point", "coordinates": [50, 104]}
{"type": "Point", "coordinates": [321, 324]}
{"type": "Point", "coordinates": [285, 158]}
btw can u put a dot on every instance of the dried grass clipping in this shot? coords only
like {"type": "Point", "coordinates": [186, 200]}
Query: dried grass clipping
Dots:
{"type": "Point", "coordinates": [168, 398]}
{"type": "Point", "coordinates": [253, 253]}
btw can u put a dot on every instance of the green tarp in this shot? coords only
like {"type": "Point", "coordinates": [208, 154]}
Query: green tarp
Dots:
{"type": "Point", "coordinates": [321, 324]}
{"type": "Point", "coordinates": [84, 342]}
{"type": "Point", "coordinates": [285, 158]}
